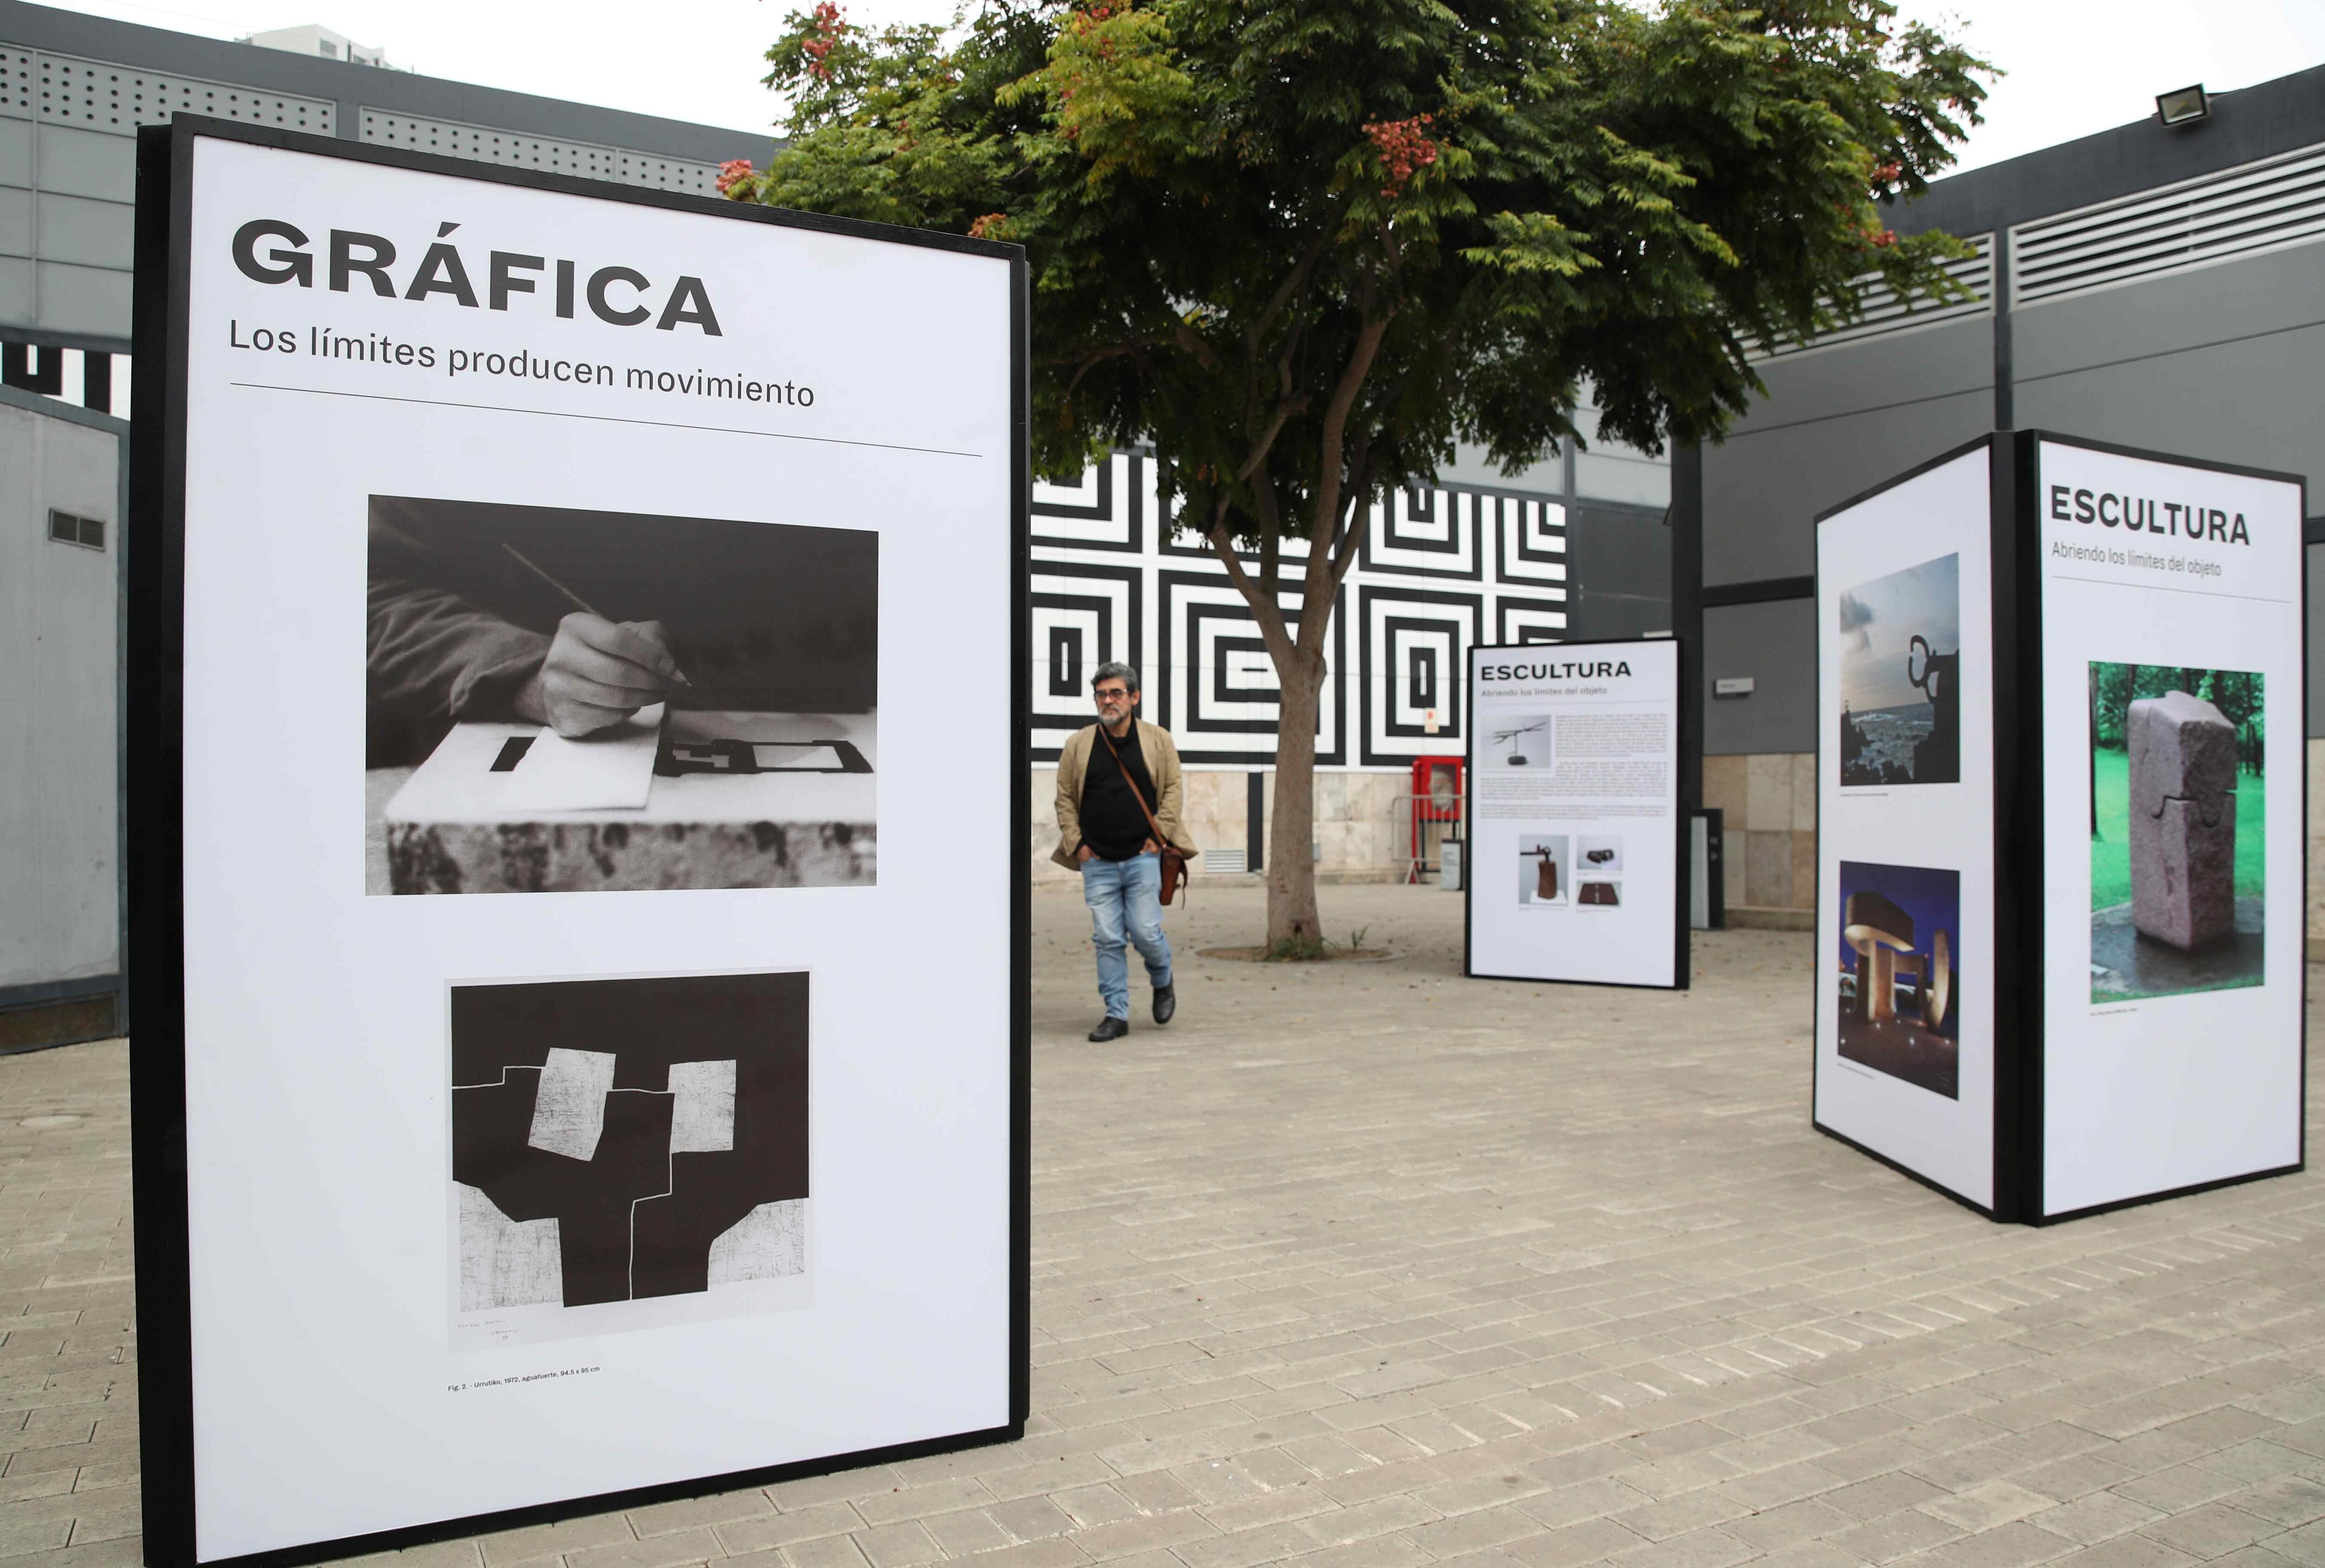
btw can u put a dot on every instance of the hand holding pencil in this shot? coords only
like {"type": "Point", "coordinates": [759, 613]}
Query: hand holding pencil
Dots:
{"type": "Point", "coordinates": [598, 672]}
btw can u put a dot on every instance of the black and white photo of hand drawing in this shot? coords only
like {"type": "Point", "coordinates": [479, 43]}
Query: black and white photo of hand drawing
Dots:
{"type": "Point", "coordinates": [618, 1142]}
{"type": "Point", "coordinates": [566, 701]}
{"type": "Point", "coordinates": [1900, 671]}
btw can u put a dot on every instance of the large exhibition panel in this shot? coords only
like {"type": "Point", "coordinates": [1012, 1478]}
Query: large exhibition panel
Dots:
{"type": "Point", "coordinates": [1906, 889]}
{"type": "Point", "coordinates": [2171, 606]}
{"type": "Point", "coordinates": [2060, 870]}
{"type": "Point", "coordinates": [532, 1102]}
{"type": "Point", "coordinates": [1576, 867]}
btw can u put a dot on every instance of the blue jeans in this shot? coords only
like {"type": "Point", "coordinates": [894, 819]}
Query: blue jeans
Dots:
{"type": "Point", "coordinates": [1125, 900]}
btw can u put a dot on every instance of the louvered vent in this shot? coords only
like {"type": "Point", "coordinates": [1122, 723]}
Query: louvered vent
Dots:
{"type": "Point", "coordinates": [118, 99]}
{"type": "Point", "coordinates": [2238, 212]}
{"type": "Point", "coordinates": [584, 159]}
{"type": "Point", "coordinates": [1232, 861]}
{"type": "Point", "coordinates": [1884, 313]}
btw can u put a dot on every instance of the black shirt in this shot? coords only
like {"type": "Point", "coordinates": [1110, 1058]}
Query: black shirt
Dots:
{"type": "Point", "coordinates": [1112, 825]}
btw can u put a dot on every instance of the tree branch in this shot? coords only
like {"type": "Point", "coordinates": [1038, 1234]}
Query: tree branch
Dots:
{"type": "Point", "coordinates": [1325, 521]}
{"type": "Point", "coordinates": [1289, 288]}
{"type": "Point", "coordinates": [1193, 342]}
{"type": "Point", "coordinates": [1264, 609]}
{"type": "Point", "coordinates": [1350, 543]}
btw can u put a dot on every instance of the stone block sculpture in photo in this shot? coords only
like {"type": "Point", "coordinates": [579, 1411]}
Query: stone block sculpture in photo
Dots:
{"type": "Point", "coordinates": [2184, 820]}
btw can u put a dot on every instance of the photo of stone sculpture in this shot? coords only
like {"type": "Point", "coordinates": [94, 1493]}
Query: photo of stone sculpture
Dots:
{"type": "Point", "coordinates": [624, 1140]}
{"type": "Point", "coordinates": [2179, 830]}
{"type": "Point", "coordinates": [1899, 992]}
{"type": "Point", "coordinates": [1900, 670]}
{"type": "Point", "coordinates": [1545, 870]}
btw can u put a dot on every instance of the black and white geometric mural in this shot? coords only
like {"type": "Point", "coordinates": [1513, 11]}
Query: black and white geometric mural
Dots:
{"type": "Point", "coordinates": [1441, 569]}
{"type": "Point", "coordinates": [1215, 686]}
{"type": "Point", "coordinates": [1083, 617]}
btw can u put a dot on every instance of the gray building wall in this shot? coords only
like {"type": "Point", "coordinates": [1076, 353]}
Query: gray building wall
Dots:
{"type": "Point", "coordinates": [1618, 564]}
{"type": "Point", "coordinates": [59, 636]}
{"type": "Point", "coordinates": [2224, 361]}
{"type": "Point", "coordinates": [74, 89]}
{"type": "Point", "coordinates": [2210, 358]}
{"type": "Point", "coordinates": [1771, 644]}
{"type": "Point", "coordinates": [1837, 421]}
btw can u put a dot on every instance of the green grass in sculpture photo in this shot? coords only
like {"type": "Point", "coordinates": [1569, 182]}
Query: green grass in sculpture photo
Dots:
{"type": "Point", "coordinates": [2179, 841]}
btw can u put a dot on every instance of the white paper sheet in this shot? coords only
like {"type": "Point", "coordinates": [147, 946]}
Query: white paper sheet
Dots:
{"type": "Point", "coordinates": [611, 768]}
{"type": "Point", "coordinates": [790, 759]}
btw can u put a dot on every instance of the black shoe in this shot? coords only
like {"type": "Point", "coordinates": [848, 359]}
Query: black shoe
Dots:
{"type": "Point", "coordinates": [1110, 1028]}
{"type": "Point", "coordinates": [1166, 1002]}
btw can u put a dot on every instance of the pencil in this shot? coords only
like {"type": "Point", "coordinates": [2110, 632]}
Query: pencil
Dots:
{"type": "Point", "coordinates": [577, 602]}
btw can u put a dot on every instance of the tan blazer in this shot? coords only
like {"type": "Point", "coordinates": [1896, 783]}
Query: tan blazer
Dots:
{"type": "Point", "coordinates": [1160, 755]}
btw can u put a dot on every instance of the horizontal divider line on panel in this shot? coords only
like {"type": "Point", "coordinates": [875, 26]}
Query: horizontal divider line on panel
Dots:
{"type": "Point", "coordinates": [1763, 590]}
{"type": "Point", "coordinates": [604, 419]}
{"type": "Point", "coordinates": [2168, 588]}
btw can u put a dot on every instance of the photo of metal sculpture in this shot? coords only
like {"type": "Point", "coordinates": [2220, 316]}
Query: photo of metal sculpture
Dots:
{"type": "Point", "coordinates": [1897, 989]}
{"type": "Point", "coordinates": [1899, 677]}
{"type": "Point", "coordinates": [2177, 826]}
{"type": "Point", "coordinates": [1516, 750]}
{"type": "Point", "coordinates": [1545, 870]}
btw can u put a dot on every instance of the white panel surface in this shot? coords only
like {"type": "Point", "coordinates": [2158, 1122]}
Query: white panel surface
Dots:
{"type": "Point", "coordinates": [2164, 1070]}
{"type": "Point", "coordinates": [1911, 560]}
{"type": "Point", "coordinates": [1571, 867]}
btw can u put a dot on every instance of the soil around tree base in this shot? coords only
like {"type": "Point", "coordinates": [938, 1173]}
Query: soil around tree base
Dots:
{"type": "Point", "coordinates": [1335, 956]}
{"type": "Point", "coordinates": [2127, 965]}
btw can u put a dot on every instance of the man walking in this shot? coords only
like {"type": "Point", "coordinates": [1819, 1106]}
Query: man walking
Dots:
{"type": "Point", "coordinates": [1117, 787]}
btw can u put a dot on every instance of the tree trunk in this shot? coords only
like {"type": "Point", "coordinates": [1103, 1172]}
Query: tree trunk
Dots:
{"type": "Point", "coordinates": [1292, 836]}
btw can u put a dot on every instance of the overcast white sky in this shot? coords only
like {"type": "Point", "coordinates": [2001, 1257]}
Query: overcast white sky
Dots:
{"type": "Point", "coordinates": [2076, 65]}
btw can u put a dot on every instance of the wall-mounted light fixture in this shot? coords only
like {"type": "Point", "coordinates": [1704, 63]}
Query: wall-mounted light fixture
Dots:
{"type": "Point", "coordinates": [2183, 106]}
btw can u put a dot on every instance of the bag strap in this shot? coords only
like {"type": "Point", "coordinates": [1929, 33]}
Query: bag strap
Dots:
{"type": "Point", "coordinates": [1161, 842]}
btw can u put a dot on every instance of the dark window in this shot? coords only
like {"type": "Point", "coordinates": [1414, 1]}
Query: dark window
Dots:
{"type": "Point", "coordinates": [88, 532]}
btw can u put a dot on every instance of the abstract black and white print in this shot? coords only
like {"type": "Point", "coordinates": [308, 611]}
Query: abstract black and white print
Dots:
{"type": "Point", "coordinates": [618, 1144]}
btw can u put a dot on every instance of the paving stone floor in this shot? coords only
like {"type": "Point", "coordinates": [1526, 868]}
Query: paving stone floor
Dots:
{"type": "Point", "coordinates": [1369, 1267]}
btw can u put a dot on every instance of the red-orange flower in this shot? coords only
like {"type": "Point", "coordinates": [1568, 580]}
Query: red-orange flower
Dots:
{"type": "Point", "coordinates": [829, 28]}
{"type": "Point", "coordinates": [1404, 149]}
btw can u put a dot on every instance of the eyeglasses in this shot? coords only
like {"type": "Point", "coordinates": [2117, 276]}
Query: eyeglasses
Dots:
{"type": "Point", "coordinates": [1112, 694]}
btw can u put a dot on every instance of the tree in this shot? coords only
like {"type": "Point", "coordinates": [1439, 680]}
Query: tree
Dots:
{"type": "Point", "coordinates": [1303, 246]}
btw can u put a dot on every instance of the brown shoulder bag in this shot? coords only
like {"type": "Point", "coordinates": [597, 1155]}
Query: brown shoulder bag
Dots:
{"type": "Point", "coordinates": [1174, 862]}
